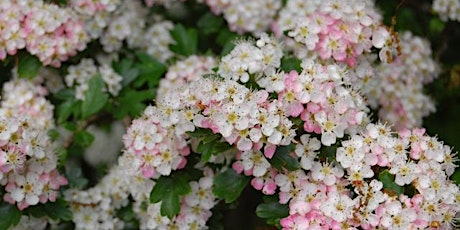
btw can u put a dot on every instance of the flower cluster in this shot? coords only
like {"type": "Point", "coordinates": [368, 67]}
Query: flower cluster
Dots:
{"type": "Point", "coordinates": [51, 33]}
{"type": "Point", "coordinates": [291, 121]}
{"type": "Point", "coordinates": [27, 159]}
{"type": "Point", "coordinates": [184, 71]}
{"type": "Point", "coordinates": [248, 59]}
{"type": "Point", "coordinates": [114, 22]}
{"type": "Point", "coordinates": [195, 208]}
{"type": "Point", "coordinates": [321, 198]}
{"type": "Point", "coordinates": [246, 16]}
{"type": "Point", "coordinates": [95, 208]}
{"type": "Point", "coordinates": [447, 9]}
{"type": "Point", "coordinates": [341, 30]}
{"type": "Point", "coordinates": [397, 88]}
{"type": "Point", "coordinates": [79, 76]}
{"type": "Point", "coordinates": [345, 190]}
{"type": "Point", "coordinates": [158, 148]}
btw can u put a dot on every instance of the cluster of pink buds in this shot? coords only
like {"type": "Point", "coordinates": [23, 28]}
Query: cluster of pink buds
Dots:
{"type": "Point", "coordinates": [246, 16]}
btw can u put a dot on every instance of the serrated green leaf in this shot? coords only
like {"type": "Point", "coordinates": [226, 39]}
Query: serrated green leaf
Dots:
{"type": "Point", "coordinates": [228, 185]}
{"type": "Point", "coordinates": [168, 190]}
{"type": "Point", "coordinates": [150, 71]}
{"type": "Point", "coordinates": [389, 184]}
{"type": "Point", "coordinates": [95, 98]}
{"type": "Point", "coordinates": [272, 210]}
{"type": "Point", "coordinates": [282, 159]}
{"type": "Point", "coordinates": [58, 210]}
{"type": "Point", "coordinates": [28, 66]}
{"type": "Point", "coordinates": [9, 215]}
{"type": "Point", "coordinates": [83, 138]}
{"type": "Point", "coordinates": [186, 40]}
{"type": "Point", "coordinates": [131, 102]}
{"type": "Point", "coordinates": [170, 205]}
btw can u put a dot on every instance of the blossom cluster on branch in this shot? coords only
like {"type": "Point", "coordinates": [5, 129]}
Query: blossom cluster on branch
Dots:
{"type": "Point", "coordinates": [277, 95]}
{"type": "Point", "coordinates": [27, 157]}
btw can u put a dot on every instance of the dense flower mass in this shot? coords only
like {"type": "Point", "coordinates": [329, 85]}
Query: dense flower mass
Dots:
{"type": "Point", "coordinates": [396, 89]}
{"type": "Point", "coordinates": [341, 30]}
{"type": "Point", "coordinates": [320, 198]}
{"type": "Point", "coordinates": [447, 9]}
{"type": "Point", "coordinates": [27, 158]}
{"type": "Point", "coordinates": [51, 33]}
{"type": "Point", "coordinates": [274, 94]}
{"type": "Point", "coordinates": [80, 75]}
{"type": "Point", "coordinates": [246, 16]}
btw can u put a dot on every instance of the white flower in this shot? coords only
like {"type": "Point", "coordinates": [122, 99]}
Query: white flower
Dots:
{"type": "Point", "coordinates": [352, 152]}
{"type": "Point", "coordinates": [405, 172]}
{"type": "Point", "coordinates": [326, 172]}
{"type": "Point", "coordinates": [255, 161]}
{"type": "Point", "coordinates": [338, 206]}
{"type": "Point", "coordinates": [307, 150]}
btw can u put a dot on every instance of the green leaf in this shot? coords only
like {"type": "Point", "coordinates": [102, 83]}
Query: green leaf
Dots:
{"type": "Point", "coordinates": [210, 23]}
{"type": "Point", "coordinates": [290, 63]}
{"type": "Point", "coordinates": [226, 39]}
{"type": "Point", "coordinates": [228, 185]}
{"type": "Point", "coordinates": [95, 98]}
{"type": "Point", "coordinates": [53, 134]}
{"type": "Point", "coordinates": [83, 138]}
{"type": "Point", "coordinates": [282, 159]}
{"type": "Point", "coordinates": [28, 66]}
{"type": "Point", "coordinates": [200, 133]}
{"type": "Point", "coordinates": [65, 94]}
{"type": "Point", "coordinates": [168, 190]}
{"type": "Point", "coordinates": [186, 40]}
{"type": "Point", "coordinates": [131, 102]}
{"type": "Point", "coordinates": [436, 25]}
{"type": "Point", "coordinates": [170, 205]}
{"type": "Point", "coordinates": [125, 67]}
{"type": "Point", "coordinates": [127, 215]}
{"type": "Point", "coordinates": [150, 71]}
{"type": "Point", "coordinates": [328, 153]}
{"type": "Point", "coordinates": [209, 143]}
{"type": "Point", "coordinates": [75, 177]}
{"type": "Point", "coordinates": [67, 109]}
{"type": "Point", "coordinates": [272, 210]}
{"type": "Point", "coordinates": [205, 150]}
{"type": "Point", "coordinates": [9, 215]}
{"type": "Point", "coordinates": [58, 210]}
{"type": "Point", "coordinates": [389, 184]}
{"type": "Point", "coordinates": [456, 177]}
